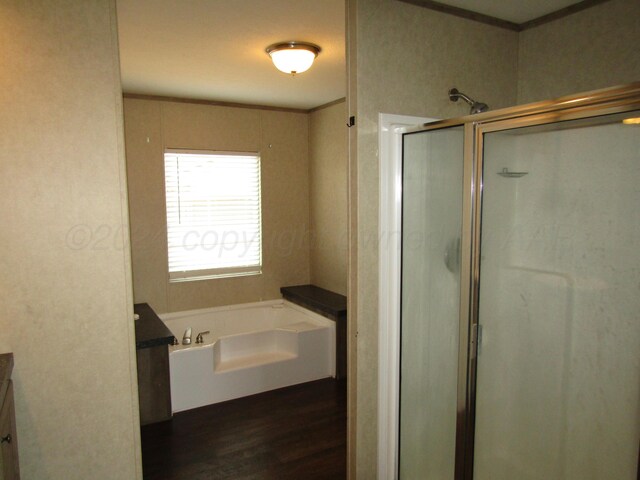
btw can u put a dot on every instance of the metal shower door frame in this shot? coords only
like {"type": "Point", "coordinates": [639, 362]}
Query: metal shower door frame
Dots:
{"type": "Point", "coordinates": [591, 104]}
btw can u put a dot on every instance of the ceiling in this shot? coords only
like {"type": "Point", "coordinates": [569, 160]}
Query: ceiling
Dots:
{"type": "Point", "coordinates": [215, 49]}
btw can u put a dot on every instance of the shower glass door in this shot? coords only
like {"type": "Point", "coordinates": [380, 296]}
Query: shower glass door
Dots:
{"type": "Point", "coordinates": [431, 230]}
{"type": "Point", "coordinates": [558, 363]}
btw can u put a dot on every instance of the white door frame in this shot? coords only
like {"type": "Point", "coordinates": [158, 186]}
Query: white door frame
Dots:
{"type": "Point", "coordinates": [390, 129]}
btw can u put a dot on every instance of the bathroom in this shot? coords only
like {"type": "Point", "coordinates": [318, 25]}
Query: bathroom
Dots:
{"type": "Point", "coordinates": [241, 130]}
{"type": "Point", "coordinates": [235, 336]}
{"type": "Point", "coordinates": [64, 153]}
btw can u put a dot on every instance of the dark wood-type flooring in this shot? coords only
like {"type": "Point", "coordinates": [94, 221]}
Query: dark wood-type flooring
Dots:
{"type": "Point", "coordinates": [296, 433]}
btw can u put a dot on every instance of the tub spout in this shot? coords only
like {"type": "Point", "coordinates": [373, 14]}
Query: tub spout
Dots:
{"type": "Point", "coordinates": [186, 338]}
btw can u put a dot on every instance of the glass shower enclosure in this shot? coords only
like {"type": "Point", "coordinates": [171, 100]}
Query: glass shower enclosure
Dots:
{"type": "Point", "coordinates": [520, 314]}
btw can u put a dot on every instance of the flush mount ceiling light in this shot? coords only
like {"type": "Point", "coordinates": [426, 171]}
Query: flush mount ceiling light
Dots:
{"type": "Point", "coordinates": [293, 57]}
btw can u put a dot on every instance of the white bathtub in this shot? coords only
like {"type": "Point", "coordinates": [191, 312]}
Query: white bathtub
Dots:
{"type": "Point", "coordinates": [252, 348]}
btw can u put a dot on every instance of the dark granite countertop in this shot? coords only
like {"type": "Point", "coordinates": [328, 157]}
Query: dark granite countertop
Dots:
{"type": "Point", "coordinates": [150, 330]}
{"type": "Point", "coordinates": [6, 367]}
{"type": "Point", "coordinates": [321, 300]}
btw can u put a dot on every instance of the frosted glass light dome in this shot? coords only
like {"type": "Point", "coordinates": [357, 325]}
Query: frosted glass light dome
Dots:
{"type": "Point", "coordinates": [293, 57]}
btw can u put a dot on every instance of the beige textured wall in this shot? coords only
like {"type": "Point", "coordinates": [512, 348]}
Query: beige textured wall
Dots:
{"type": "Point", "coordinates": [328, 197]}
{"type": "Point", "coordinates": [592, 49]}
{"type": "Point", "coordinates": [408, 57]}
{"type": "Point", "coordinates": [65, 296]}
{"type": "Point", "coordinates": [282, 140]}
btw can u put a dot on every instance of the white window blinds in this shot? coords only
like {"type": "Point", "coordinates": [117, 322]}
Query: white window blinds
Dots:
{"type": "Point", "coordinates": [213, 214]}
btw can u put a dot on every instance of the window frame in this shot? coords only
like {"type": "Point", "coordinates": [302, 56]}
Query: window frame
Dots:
{"type": "Point", "coordinates": [216, 272]}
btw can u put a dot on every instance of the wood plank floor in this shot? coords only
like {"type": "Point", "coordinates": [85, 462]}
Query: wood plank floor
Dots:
{"type": "Point", "coordinates": [296, 433]}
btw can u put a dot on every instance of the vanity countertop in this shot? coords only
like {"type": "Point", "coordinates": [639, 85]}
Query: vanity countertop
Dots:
{"type": "Point", "coordinates": [150, 329]}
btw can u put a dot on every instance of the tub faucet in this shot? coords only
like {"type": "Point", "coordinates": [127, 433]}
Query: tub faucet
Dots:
{"type": "Point", "coordinates": [199, 337]}
{"type": "Point", "coordinates": [186, 338]}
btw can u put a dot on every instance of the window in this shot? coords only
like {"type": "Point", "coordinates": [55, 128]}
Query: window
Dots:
{"type": "Point", "coordinates": [213, 214]}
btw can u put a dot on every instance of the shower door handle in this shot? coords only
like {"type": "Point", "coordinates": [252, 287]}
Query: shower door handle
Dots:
{"type": "Point", "coordinates": [452, 255]}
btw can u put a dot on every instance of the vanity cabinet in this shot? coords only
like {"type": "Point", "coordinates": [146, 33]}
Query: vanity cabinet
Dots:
{"type": "Point", "coordinates": [9, 468]}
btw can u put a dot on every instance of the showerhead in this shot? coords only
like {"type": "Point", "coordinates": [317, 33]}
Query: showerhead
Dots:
{"type": "Point", "coordinates": [479, 107]}
{"type": "Point", "coordinates": [476, 107]}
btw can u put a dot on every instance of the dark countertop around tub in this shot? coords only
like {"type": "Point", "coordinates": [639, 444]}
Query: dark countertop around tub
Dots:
{"type": "Point", "coordinates": [150, 329]}
{"type": "Point", "coordinates": [318, 299]}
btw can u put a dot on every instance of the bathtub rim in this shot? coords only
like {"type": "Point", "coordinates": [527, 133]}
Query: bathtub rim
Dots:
{"type": "Point", "coordinates": [221, 308]}
{"type": "Point", "coordinates": [241, 306]}
{"type": "Point", "coordinates": [210, 341]}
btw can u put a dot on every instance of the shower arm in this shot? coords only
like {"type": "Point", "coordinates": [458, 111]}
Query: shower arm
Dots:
{"type": "Point", "coordinates": [454, 95]}
{"type": "Point", "coordinates": [476, 107]}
